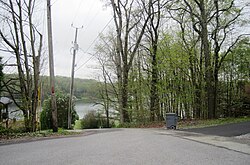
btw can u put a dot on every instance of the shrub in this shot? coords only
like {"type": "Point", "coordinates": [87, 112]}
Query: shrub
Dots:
{"type": "Point", "coordinates": [94, 120]}
{"type": "Point", "coordinates": [6, 131]}
{"type": "Point", "coordinates": [89, 121]}
{"type": "Point", "coordinates": [62, 101]}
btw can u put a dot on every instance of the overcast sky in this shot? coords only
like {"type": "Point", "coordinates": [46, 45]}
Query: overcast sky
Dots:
{"type": "Point", "coordinates": [93, 16]}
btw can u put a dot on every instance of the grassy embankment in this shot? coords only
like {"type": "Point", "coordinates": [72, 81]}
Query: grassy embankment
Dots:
{"type": "Point", "coordinates": [16, 131]}
{"type": "Point", "coordinates": [182, 124]}
{"type": "Point", "coordinates": [207, 123]}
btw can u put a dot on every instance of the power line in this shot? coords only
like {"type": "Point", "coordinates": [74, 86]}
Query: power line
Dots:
{"type": "Point", "coordinates": [54, 2]}
{"type": "Point", "coordinates": [77, 11]}
{"type": "Point", "coordinates": [92, 45]}
{"type": "Point", "coordinates": [93, 18]}
{"type": "Point", "coordinates": [90, 9]}
{"type": "Point", "coordinates": [92, 56]}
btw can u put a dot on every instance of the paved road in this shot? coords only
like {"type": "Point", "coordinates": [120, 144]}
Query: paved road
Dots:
{"type": "Point", "coordinates": [228, 130]}
{"type": "Point", "coordinates": [123, 147]}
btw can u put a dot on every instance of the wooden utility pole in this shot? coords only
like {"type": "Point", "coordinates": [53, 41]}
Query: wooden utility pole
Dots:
{"type": "Point", "coordinates": [72, 80]}
{"type": "Point", "coordinates": [51, 69]}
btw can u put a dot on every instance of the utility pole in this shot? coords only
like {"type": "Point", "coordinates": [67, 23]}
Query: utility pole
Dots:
{"type": "Point", "coordinates": [72, 79]}
{"type": "Point", "coordinates": [51, 69]}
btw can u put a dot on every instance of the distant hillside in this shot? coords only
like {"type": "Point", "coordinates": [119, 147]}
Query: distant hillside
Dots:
{"type": "Point", "coordinates": [85, 89]}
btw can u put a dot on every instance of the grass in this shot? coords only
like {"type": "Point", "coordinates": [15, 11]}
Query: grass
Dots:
{"type": "Point", "coordinates": [77, 124]}
{"type": "Point", "coordinates": [142, 125]}
{"type": "Point", "coordinates": [185, 124]}
{"type": "Point", "coordinates": [6, 134]}
{"type": "Point", "coordinates": [19, 133]}
{"type": "Point", "coordinates": [16, 131]}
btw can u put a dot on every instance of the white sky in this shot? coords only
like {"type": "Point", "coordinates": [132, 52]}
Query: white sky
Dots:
{"type": "Point", "coordinates": [92, 15]}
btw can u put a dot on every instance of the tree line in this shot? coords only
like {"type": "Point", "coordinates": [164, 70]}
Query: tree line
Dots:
{"type": "Point", "coordinates": [84, 89]}
{"type": "Point", "coordinates": [190, 57]}
{"type": "Point", "coordinates": [187, 57]}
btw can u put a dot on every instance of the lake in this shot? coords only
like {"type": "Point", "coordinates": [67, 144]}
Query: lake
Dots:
{"type": "Point", "coordinates": [80, 107]}
{"type": "Point", "coordinates": [83, 108]}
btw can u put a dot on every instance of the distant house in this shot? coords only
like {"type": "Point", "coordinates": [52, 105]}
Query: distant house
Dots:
{"type": "Point", "coordinates": [4, 115]}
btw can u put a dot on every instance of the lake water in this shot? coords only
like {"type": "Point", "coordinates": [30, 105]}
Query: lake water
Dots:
{"type": "Point", "coordinates": [83, 108]}
{"type": "Point", "coordinates": [80, 107]}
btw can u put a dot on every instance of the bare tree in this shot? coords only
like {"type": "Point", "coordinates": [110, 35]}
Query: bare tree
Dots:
{"type": "Point", "coordinates": [127, 15]}
{"type": "Point", "coordinates": [153, 37]}
{"type": "Point", "coordinates": [105, 51]}
{"type": "Point", "coordinates": [24, 41]}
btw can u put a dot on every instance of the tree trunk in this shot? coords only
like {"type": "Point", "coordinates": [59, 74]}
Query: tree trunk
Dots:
{"type": "Point", "coordinates": [154, 98]}
{"type": "Point", "coordinates": [125, 24]}
{"type": "Point", "coordinates": [208, 67]}
{"type": "Point", "coordinates": [124, 93]}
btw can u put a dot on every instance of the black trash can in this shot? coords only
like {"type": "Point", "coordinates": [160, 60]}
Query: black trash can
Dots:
{"type": "Point", "coordinates": [171, 120]}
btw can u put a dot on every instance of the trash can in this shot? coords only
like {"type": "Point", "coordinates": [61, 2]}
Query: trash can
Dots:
{"type": "Point", "coordinates": [171, 120]}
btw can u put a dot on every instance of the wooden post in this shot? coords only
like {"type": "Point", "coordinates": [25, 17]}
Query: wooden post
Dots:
{"type": "Point", "coordinates": [51, 68]}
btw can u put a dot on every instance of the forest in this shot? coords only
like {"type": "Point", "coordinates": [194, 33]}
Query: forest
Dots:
{"type": "Point", "coordinates": [187, 57]}
{"type": "Point", "coordinates": [190, 57]}
{"type": "Point", "coordinates": [84, 89]}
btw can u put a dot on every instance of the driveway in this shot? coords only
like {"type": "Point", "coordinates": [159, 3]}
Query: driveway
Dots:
{"type": "Point", "coordinates": [228, 130]}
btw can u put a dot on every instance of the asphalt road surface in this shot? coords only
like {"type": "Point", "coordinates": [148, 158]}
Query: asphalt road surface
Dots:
{"type": "Point", "coordinates": [120, 147]}
{"type": "Point", "coordinates": [228, 130]}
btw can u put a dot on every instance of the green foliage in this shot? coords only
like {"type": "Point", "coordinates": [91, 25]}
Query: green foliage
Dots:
{"type": "Point", "coordinates": [21, 133]}
{"type": "Point", "coordinates": [62, 101]}
{"type": "Point", "coordinates": [46, 115]}
{"type": "Point", "coordinates": [94, 120]}
{"type": "Point", "coordinates": [238, 61]}
{"type": "Point", "coordinates": [77, 124]}
{"type": "Point", "coordinates": [83, 88]}
{"type": "Point", "coordinates": [89, 120]}
{"type": "Point", "coordinates": [185, 124]}
{"type": "Point", "coordinates": [4, 130]}
{"type": "Point", "coordinates": [175, 85]}
{"type": "Point", "coordinates": [233, 89]}
{"type": "Point", "coordinates": [154, 124]}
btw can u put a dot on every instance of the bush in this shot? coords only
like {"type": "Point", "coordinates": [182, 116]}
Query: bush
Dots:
{"type": "Point", "coordinates": [6, 131]}
{"type": "Point", "coordinates": [89, 121]}
{"type": "Point", "coordinates": [94, 120]}
{"type": "Point", "coordinates": [62, 101]}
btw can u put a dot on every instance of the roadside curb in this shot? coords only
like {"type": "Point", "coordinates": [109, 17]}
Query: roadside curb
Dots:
{"type": "Point", "coordinates": [33, 139]}
{"type": "Point", "coordinates": [230, 143]}
{"type": "Point", "coordinates": [82, 133]}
